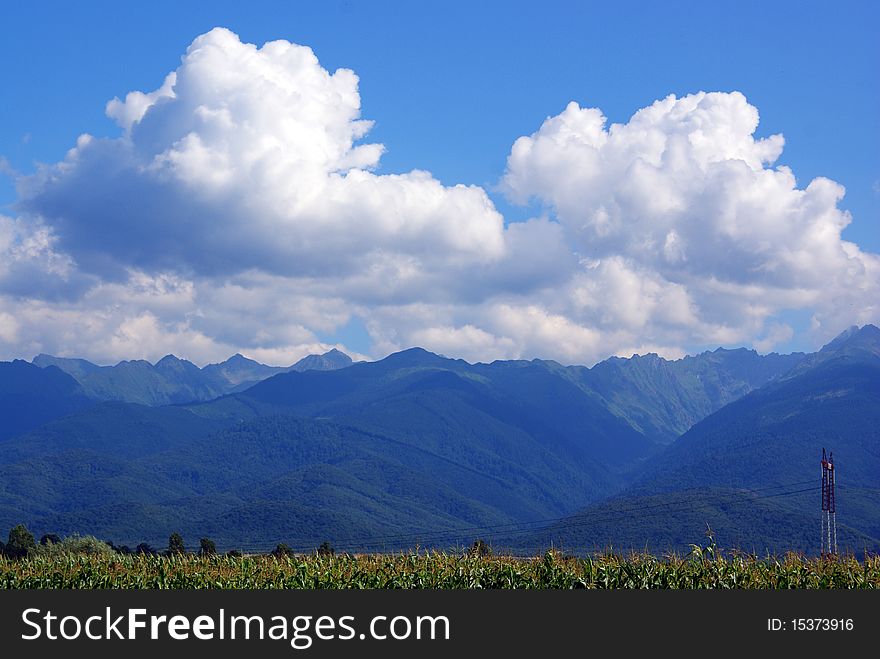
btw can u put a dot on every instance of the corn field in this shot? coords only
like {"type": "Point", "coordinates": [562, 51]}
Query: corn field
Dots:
{"type": "Point", "coordinates": [700, 570]}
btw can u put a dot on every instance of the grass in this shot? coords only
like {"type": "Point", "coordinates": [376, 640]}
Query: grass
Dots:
{"type": "Point", "coordinates": [704, 568]}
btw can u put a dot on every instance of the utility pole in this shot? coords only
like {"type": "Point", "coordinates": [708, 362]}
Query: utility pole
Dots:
{"type": "Point", "coordinates": [828, 520]}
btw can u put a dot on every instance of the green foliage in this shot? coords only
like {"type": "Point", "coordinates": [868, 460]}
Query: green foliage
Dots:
{"type": "Point", "coordinates": [207, 547]}
{"type": "Point", "coordinates": [50, 539]}
{"type": "Point", "coordinates": [86, 545]}
{"type": "Point", "coordinates": [704, 568]}
{"type": "Point", "coordinates": [282, 551]}
{"type": "Point", "coordinates": [175, 545]}
{"type": "Point", "coordinates": [480, 548]}
{"type": "Point", "coordinates": [21, 543]}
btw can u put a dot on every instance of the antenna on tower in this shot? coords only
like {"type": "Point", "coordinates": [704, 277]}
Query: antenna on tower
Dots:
{"type": "Point", "coordinates": [828, 520]}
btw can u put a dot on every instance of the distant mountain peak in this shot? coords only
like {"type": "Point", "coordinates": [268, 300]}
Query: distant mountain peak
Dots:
{"type": "Point", "coordinates": [840, 339]}
{"type": "Point", "coordinates": [239, 358]}
{"type": "Point", "coordinates": [329, 361]}
{"type": "Point", "coordinates": [865, 337]}
{"type": "Point", "coordinates": [77, 368]}
{"type": "Point", "coordinates": [415, 350]}
{"type": "Point", "coordinates": [176, 364]}
{"type": "Point", "coordinates": [136, 362]}
{"type": "Point", "coordinates": [415, 356]}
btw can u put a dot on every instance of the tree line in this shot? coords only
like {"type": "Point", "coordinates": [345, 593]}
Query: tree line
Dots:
{"type": "Point", "coordinates": [21, 544]}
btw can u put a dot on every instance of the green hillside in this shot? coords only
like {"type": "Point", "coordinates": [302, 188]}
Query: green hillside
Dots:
{"type": "Point", "coordinates": [32, 396]}
{"type": "Point", "coordinates": [421, 449]}
{"type": "Point", "coordinates": [771, 520]}
{"type": "Point", "coordinates": [770, 438]}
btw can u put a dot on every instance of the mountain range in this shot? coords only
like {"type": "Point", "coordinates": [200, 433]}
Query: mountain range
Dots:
{"type": "Point", "coordinates": [750, 470]}
{"type": "Point", "coordinates": [418, 449]}
{"type": "Point", "coordinates": [173, 380]}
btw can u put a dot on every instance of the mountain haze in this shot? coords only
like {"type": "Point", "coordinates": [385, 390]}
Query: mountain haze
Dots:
{"type": "Point", "coordinates": [419, 448]}
{"type": "Point", "coordinates": [665, 398]}
{"type": "Point", "coordinates": [173, 381]}
{"type": "Point", "coordinates": [750, 460]}
{"type": "Point", "coordinates": [31, 396]}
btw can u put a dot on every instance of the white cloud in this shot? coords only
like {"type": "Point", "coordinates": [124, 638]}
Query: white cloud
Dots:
{"type": "Point", "coordinates": [246, 158]}
{"type": "Point", "coordinates": [240, 210]}
{"type": "Point", "coordinates": [776, 333]}
{"type": "Point", "coordinates": [8, 328]}
{"type": "Point", "coordinates": [467, 342]}
{"type": "Point", "coordinates": [129, 112]}
{"type": "Point", "coordinates": [30, 263]}
{"type": "Point", "coordinates": [682, 197]}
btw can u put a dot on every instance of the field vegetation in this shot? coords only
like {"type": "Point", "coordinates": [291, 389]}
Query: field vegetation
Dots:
{"type": "Point", "coordinates": [703, 568]}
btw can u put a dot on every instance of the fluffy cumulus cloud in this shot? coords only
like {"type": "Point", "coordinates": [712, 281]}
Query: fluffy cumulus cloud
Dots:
{"type": "Point", "coordinates": [240, 209]}
{"type": "Point", "coordinates": [246, 158]}
{"type": "Point", "coordinates": [683, 220]}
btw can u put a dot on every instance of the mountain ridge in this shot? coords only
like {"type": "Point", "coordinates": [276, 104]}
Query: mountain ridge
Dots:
{"type": "Point", "coordinates": [172, 380]}
{"type": "Point", "coordinates": [763, 450]}
{"type": "Point", "coordinates": [375, 447]}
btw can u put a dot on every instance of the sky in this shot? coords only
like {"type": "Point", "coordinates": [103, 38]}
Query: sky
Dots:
{"type": "Point", "coordinates": [491, 180]}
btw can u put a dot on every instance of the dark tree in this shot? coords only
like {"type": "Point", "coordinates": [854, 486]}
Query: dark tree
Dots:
{"type": "Point", "coordinates": [234, 553]}
{"type": "Point", "coordinates": [480, 548]}
{"type": "Point", "coordinates": [282, 551]}
{"type": "Point", "coordinates": [175, 545]}
{"type": "Point", "coordinates": [144, 548]}
{"type": "Point", "coordinates": [326, 549]}
{"type": "Point", "coordinates": [49, 539]}
{"type": "Point", "coordinates": [21, 542]}
{"type": "Point", "coordinates": [2, 548]}
{"type": "Point", "coordinates": [207, 547]}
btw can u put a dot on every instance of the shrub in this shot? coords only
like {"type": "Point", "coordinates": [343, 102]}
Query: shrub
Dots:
{"type": "Point", "coordinates": [21, 542]}
{"type": "Point", "coordinates": [207, 547]}
{"type": "Point", "coordinates": [49, 539]}
{"type": "Point", "coordinates": [480, 548]}
{"type": "Point", "coordinates": [76, 545]}
{"type": "Point", "coordinates": [175, 545]}
{"type": "Point", "coordinates": [119, 549]}
{"type": "Point", "coordinates": [326, 549]}
{"type": "Point", "coordinates": [282, 551]}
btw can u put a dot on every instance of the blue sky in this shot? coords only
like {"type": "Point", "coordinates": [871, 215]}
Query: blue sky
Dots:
{"type": "Point", "coordinates": [450, 87]}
